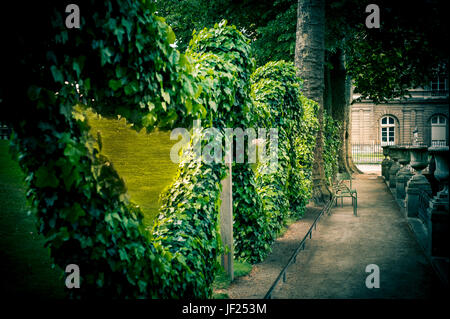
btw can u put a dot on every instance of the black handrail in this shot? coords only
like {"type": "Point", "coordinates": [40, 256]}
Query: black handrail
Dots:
{"type": "Point", "coordinates": [300, 247]}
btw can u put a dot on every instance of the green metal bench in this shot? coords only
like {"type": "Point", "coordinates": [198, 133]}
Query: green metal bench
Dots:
{"type": "Point", "coordinates": [342, 187]}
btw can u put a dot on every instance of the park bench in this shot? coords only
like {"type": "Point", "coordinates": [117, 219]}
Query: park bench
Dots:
{"type": "Point", "coordinates": [342, 187]}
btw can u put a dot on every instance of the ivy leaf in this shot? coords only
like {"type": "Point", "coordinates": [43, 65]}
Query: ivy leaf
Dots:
{"type": "Point", "coordinates": [45, 178]}
{"type": "Point", "coordinates": [170, 35]}
{"type": "Point", "coordinates": [166, 96]}
{"type": "Point", "coordinates": [149, 120]}
{"type": "Point", "coordinates": [57, 74]}
{"type": "Point", "coordinates": [115, 84]}
{"type": "Point", "coordinates": [131, 88]}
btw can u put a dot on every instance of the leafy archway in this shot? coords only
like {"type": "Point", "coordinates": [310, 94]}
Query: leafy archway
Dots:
{"type": "Point", "coordinates": [121, 62]}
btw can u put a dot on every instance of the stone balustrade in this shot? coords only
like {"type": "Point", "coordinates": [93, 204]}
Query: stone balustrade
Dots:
{"type": "Point", "coordinates": [427, 211]}
{"type": "Point", "coordinates": [438, 210]}
{"type": "Point", "coordinates": [394, 153]}
{"type": "Point", "coordinates": [403, 175]}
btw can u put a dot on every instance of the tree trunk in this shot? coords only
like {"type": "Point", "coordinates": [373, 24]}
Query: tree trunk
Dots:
{"type": "Point", "coordinates": [348, 132]}
{"type": "Point", "coordinates": [309, 61]}
{"type": "Point", "coordinates": [340, 101]}
{"type": "Point", "coordinates": [340, 91]}
{"type": "Point", "coordinates": [328, 94]}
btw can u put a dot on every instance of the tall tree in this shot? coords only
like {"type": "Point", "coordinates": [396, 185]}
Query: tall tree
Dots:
{"type": "Point", "coordinates": [337, 94]}
{"type": "Point", "coordinates": [309, 60]}
{"type": "Point", "coordinates": [407, 51]}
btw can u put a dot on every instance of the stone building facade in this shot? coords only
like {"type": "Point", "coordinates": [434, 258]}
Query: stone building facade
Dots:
{"type": "Point", "coordinates": [427, 111]}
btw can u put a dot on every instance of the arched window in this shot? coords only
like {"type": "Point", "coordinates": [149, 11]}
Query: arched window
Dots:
{"type": "Point", "coordinates": [438, 130]}
{"type": "Point", "coordinates": [387, 130]}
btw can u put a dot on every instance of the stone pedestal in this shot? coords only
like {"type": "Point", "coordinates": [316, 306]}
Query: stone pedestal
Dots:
{"type": "Point", "coordinates": [417, 183]}
{"type": "Point", "coordinates": [394, 153]}
{"type": "Point", "coordinates": [438, 244]}
{"type": "Point", "coordinates": [403, 175]}
{"type": "Point", "coordinates": [395, 167]}
{"type": "Point", "coordinates": [385, 167]}
{"type": "Point", "coordinates": [438, 209]}
{"type": "Point", "coordinates": [414, 186]}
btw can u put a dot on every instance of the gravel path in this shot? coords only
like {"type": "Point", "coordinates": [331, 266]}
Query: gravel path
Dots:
{"type": "Point", "coordinates": [257, 283]}
{"type": "Point", "coordinates": [334, 262]}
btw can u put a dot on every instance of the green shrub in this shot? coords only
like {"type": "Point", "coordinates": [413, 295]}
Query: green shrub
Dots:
{"type": "Point", "coordinates": [225, 50]}
{"type": "Point", "coordinates": [188, 220]}
{"type": "Point", "coordinates": [123, 64]}
{"type": "Point", "coordinates": [285, 188]}
{"type": "Point", "coordinates": [332, 144]}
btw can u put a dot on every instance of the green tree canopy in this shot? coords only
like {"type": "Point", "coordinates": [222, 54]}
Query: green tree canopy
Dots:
{"type": "Point", "coordinates": [407, 51]}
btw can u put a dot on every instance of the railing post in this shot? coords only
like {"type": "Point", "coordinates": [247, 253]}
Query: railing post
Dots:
{"type": "Point", "coordinates": [226, 222]}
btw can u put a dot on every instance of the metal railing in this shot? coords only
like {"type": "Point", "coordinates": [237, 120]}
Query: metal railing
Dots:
{"type": "Point", "coordinates": [300, 247]}
{"type": "Point", "coordinates": [439, 143]}
{"type": "Point", "coordinates": [367, 153]}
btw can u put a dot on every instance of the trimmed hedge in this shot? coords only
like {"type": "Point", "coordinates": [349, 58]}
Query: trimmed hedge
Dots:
{"type": "Point", "coordinates": [121, 62]}
{"type": "Point", "coordinates": [232, 110]}
{"type": "Point", "coordinates": [78, 198]}
{"type": "Point", "coordinates": [284, 189]}
{"type": "Point", "coordinates": [188, 224]}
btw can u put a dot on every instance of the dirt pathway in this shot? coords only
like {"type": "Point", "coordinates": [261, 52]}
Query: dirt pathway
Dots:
{"type": "Point", "coordinates": [257, 283]}
{"type": "Point", "coordinates": [334, 262]}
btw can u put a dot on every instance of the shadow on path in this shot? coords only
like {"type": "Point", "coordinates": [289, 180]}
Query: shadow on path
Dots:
{"type": "Point", "coordinates": [334, 262]}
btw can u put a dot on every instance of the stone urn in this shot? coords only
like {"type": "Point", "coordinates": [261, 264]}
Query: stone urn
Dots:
{"type": "Point", "coordinates": [438, 226]}
{"type": "Point", "coordinates": [404, 157]}
{"type": "Point", "coordinates": [418, 183]}
{"type": "Point", "coordinates": [441, 154]}
{"type": "Point", "coordinates": [419, 158]}
{"type": "Point", "coordinates": [387, 162]}
{"type": "Point", "coordinates": [404, 174]}
{"type": "Point", "coordinates": [394, 153]}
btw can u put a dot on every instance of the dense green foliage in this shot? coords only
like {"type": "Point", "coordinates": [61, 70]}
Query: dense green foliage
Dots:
{"type": "Point", "coordinates": [223, 66]}
{"type": "Point", "coordinates": [284, 187]}
{"type": "Point", "coordinates": [101, 231]}
{"type": "Point", "coordinates": [122, 62]}
{"type": "Point", "coordinates": [77, 196]}
{"type": "Point", "coordinates": [225, 54]}
{"type": "Point", "coordinates": [189, 15]}
{"type": "Point", "coordinates": [407, 51]}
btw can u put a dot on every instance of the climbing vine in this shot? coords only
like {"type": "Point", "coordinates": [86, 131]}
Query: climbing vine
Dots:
{"type": "Point", "coordinates": [285, 188]}
{"type": "Point", "coordinates": [122, 62]}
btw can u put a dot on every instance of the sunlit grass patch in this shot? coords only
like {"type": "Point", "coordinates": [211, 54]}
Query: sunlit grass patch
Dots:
{"type": "Point", "coordinates": [141, 159]}
{"type": "Point", "coordinates": [222, 280]}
